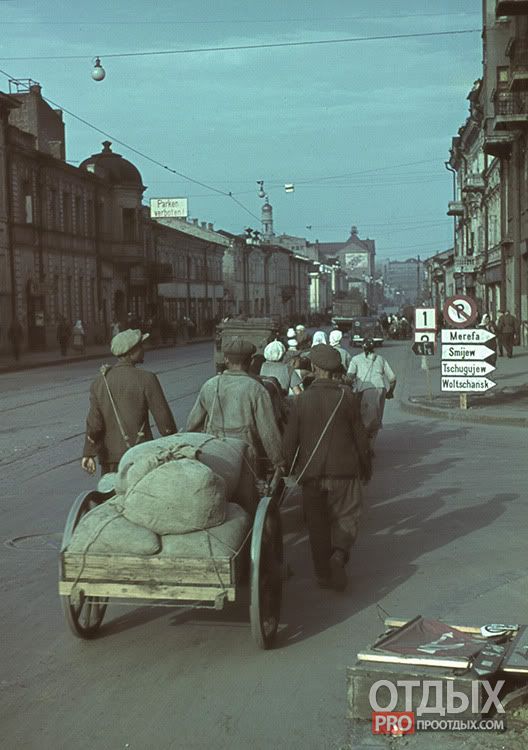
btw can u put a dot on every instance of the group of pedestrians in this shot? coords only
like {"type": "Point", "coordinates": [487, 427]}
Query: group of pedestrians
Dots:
{"type": "Point", "coordinates": [323, 437]}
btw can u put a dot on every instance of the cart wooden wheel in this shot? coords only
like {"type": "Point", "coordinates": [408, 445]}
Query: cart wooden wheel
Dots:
{"type": "Point", "coordinates": [84, 614]}
{"type": "Point", "coordinates": [266, 573]}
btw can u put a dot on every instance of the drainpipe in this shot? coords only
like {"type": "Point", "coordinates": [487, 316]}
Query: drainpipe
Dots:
{"type": "Point", "coordinates": [450, 169]}
{"type": "Point", "coordinates": [517, 293]}
{"type": "Point", "coordinates": [9, 212]}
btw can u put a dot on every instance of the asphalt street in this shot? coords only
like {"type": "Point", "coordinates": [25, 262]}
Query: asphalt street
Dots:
{"type": "Point", "coordinates": [443, 535]}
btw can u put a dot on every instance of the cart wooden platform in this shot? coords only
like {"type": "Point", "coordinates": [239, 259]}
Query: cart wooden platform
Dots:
{"type": "Point", "coordinates": [87, 582]}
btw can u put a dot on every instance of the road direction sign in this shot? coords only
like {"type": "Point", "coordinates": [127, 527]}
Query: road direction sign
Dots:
{"type": "Point", "coordinates": [460, 311]}
{"type": "Point", "coordinates": [465, 351]}
{"type": "Point", "coordinates": [425, 319]}
{"type": "Point", "coordinates": [466, 336]}
{"type": "Point", "coordinates": [425, 336]}
{"type": "Point", "coordinates": [425, 348]}
{"type": "Point", "coordinates": [466, 369]}
{"type": "Point", "coordinates": [466, 385]}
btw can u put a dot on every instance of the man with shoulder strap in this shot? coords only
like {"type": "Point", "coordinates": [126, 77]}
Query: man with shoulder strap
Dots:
{"type": "Point", "coordinates": [326, 446]}
{"type": "Point", "coordinates": [121, 398]}
{"type": "Point", "coordinates": [235, 404]}
{"type": "Point", "coordinates": [373, 378]}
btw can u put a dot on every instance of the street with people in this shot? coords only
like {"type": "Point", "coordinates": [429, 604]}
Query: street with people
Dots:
{"type": "Point", "coordinates": [430, 512]}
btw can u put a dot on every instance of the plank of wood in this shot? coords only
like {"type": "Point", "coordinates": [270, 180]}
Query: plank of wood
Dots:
{"type": "Point", "coordinates": [516, 659]}
{"type": "Point", "coordinates": [117, 568]}
{"type": "Point", "coordinates": [149, 591]}
{"type": "Point", "coordinates": [424, 661]}
{"type": "Point", "coordinates": [398, 622]}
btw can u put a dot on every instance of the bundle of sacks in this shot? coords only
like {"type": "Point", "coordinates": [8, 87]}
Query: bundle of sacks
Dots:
{"type": "Point", "coordinates": [168, 493]}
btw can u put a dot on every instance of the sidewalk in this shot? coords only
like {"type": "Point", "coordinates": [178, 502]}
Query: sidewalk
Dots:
{"type": "Point", "coordinates": [31, 360]}
{"type": "Point", "coordinates": [506, 403]}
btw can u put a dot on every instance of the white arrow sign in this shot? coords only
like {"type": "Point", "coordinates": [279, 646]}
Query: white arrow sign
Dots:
{"type": "Point", "coordinates": [470, 369]}
{"type": "Point", "coordinates": [475, 385]}
{"type": "Point", "coordinates": [465, 351]}
{"type": "Point", "coordinates": [466, 336]}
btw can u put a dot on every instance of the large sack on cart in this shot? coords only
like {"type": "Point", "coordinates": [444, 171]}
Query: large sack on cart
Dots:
{"type": "Point", "coordinates": [222, 541]}
{"type": "Point", "coordinates": [174, 494]}
{"type": "Point", "coordinates": [225, 456]}
{"type": "Point", "coordinates": [105, 530]}
{"type": "Point", "coordinates": [232, 459]}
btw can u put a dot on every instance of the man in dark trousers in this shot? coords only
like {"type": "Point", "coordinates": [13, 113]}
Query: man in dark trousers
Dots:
{"type": "Point", "coordinates": [327, 445]}
{"type": "Point", "coordinates": [507, 329]}
{"type": "Point", "coordinates": [15, 334]}
{"type": "Point", "coordinates": [121, 398]}
{"type": "Point", "coordinates": [64, 334]}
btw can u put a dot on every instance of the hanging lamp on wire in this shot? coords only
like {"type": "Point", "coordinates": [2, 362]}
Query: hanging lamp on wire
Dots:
{"type": "Point", "coordinates": [98, 72]}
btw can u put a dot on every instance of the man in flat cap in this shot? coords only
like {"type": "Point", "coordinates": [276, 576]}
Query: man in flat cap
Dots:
{"type": "Point", "coordinates": [326, 446]}
{"type": "Point", "coordinates": [121, 398]}
{"type": "Point", "coordinates": [235, 404]}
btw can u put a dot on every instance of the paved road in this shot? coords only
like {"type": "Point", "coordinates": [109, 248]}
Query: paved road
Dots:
{"type": "Point", "coordinates": [447, 500]}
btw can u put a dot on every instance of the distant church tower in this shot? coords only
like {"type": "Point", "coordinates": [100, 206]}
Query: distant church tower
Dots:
{"type": "Point", "coordinates": [267, 220]}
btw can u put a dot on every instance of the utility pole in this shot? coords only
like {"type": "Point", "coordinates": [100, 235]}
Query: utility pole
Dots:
{"type": "Point", "coordinates": [418, 282]}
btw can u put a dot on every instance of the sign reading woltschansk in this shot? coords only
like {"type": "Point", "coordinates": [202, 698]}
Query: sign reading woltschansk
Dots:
{"type": "Point", "coordinates": [166, 208]}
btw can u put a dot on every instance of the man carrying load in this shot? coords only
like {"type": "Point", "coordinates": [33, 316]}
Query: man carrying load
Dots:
{"type": "Point", "coordinates": [235, 404]}
{"type": "Point", "coordinates": [121, 398]}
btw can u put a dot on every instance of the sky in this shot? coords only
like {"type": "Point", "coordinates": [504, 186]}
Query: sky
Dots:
{"type": "Point", "coordinates": [362, 129]}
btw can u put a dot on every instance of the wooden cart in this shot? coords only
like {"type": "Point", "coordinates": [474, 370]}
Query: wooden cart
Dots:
{"type": "Point", "coordinates": [87, 582]}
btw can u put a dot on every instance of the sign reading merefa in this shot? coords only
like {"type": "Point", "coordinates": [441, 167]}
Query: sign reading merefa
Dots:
{"type": "Point", "coordinates": [466, 336]}
{"type": "Point", "coordinates": [166, 208]}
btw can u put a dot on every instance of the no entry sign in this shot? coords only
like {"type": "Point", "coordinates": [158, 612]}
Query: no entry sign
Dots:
{"type": "Point", "coordinates": [460, 311]}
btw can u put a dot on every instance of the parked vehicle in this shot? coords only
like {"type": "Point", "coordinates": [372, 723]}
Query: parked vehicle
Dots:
{"type": "Point", "coordinates": [260, 331]}
{"type": "Point", "coordinates": [345, 311]}
{"type": "Point", "coordinates": [366, 327]}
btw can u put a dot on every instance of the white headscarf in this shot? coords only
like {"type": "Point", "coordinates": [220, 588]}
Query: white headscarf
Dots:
{"type": "Point", "coordinates": [292, 343]}
{"type": "Point", "coordinates": [335, 337]}
{"type": "Point", "coordinates": [299, 327]}
{"type": "Point", "coordinates": [291, 333]}
{"type": "Point", "coordinates": [274, 352]}
{"type": "Point", "coordinates": [319, 337]}
{"type": "Point", "coordinates": [485, 320]}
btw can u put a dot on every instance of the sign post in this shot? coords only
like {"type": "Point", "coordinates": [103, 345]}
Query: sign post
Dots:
{"type": "Point", "coordinates": [425, 340]}
{"type": "Point", "coordinates": [464, 351]}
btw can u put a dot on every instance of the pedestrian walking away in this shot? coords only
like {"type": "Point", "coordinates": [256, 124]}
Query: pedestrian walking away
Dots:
{"type": "Point", "coordinates": [335, 340]}
{"type": "Point", "coordinates": [121, 398]}
{"type": "Point", "coordinates": [508, 331]}
{"type": "Point", "coordinates": [15, 334]}
{"type": "Point", "coordinates": [373, 378]}
{"type": "Point", "coordinates": [64, 334]}
{"type": "Point", "coordinates": [326, 446]}
{"type": "Point", "coordinates": [79, 337]}
{"type": "Point", "coordinates": [487, 324]}
{"type": "Point", "coordinates": [235, 404]}
{"type": "Point", "coordinates": [276, 367]}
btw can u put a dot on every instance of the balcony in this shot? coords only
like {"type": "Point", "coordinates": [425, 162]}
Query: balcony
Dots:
{"type": "Point", "coordinates": [455, 208]}
{"type": "Point", "coordinates": [511, 110]}
{"type": "Point", "coordinates": [518, 54]}
{"type": "Point", "coordinates": [511, 8]}
{"type": "Point", "coordinates": [498, 144]}
{"type": "Point", "coordinates": [474, 183]}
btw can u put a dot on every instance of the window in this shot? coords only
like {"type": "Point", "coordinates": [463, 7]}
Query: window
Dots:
{"type": "Point", "coordinates": [56, 296]}
{"type": "Point", "coordinates": [90, 227]}
{"type": "Point", "coordinates": [69, 300]}
{"type": "Point", "coordinates": [79, 223]}
{"type": "Point", "coordinates": [53, 209]}
{"type": "Point", "coordinates": [93, 316]}
{"type": "Point", "coordinates": [503, 77]}
{"type": "Point", "coordinates": [129, 224]}
{"type": "Point", "coordinates": [66, 212]}
{"type": "Point", "coordinates": [28, 202]}
{"type": "Point", "coordinates": [81, 297]}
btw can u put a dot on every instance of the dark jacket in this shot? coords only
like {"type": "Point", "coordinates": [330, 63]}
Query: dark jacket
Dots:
{"type": "Point", "coordinates": [135, 392]}
{"type": "Point", "coordinates": [344, 450]}
{"type": "Point", "coordinates": [507, 324]}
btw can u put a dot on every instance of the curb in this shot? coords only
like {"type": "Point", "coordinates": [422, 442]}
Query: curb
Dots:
{"type": "Point", "coordinates": [452, 415]}
{"type": "Point", "coordinates": [86, 357]}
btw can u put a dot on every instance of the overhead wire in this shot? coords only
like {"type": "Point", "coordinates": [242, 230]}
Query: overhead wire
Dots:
{"type": "Point", "coordinates": [239, 47]}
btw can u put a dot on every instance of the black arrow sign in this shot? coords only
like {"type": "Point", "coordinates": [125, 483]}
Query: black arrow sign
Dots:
{"type": "Point", "coordinates": [425, 348]}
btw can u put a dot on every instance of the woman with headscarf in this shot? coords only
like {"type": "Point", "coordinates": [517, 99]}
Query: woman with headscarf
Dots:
{"type": "Point", "coordinates": [275, 367]}
{"type": "Point", "coordinates": [488, 324]}
{"type": "Point", "coordinates": [319, 337]}
{"type": "Point", "coordinates": [335, 341]}
{"type": "Point", "coordinates": [79, 336]}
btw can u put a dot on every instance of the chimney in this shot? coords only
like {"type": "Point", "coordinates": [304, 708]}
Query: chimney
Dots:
{"type": "Point", "coordinates": [210, 227]}
{"type": "Point", "coordinates": [204, 225]}
{"type": "Point", "coordinates": [195, 222]}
